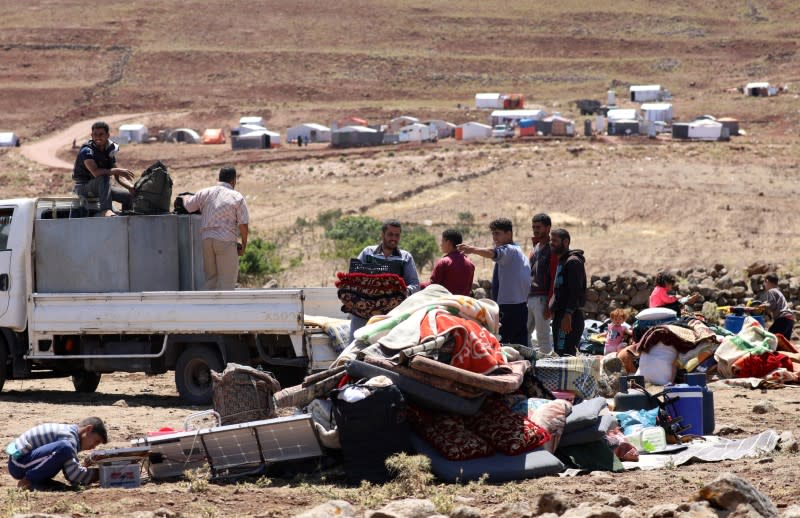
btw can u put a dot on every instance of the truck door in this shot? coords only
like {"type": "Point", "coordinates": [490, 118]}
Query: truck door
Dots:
{"type": "Point", "coordinates": [5, 259]}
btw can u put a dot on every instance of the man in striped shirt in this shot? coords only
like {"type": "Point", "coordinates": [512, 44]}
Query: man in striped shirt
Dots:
{"type": "Point", "coordinates": [39, 454]}
{"type": "Point", "coordinates": [224, 213]}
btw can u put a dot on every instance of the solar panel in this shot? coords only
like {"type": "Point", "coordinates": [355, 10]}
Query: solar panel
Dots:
{"type": "Point", "coordinates": [173, 454]}
{"type": "Point", "coordinates": [233, 449]}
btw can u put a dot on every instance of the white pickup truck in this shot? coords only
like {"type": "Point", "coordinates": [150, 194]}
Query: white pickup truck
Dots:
{"type": "Point", "coordinates": [82, 296]}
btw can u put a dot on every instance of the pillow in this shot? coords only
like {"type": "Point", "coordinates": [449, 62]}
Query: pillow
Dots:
{"type": "Point", "coordinates": [449, 435]}
{"type": "Point", "coordinates": [552, 416]}
{"type": "Point", "coordinates": [506, 431]}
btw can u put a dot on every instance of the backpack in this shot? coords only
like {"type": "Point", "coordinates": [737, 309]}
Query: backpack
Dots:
{"type": "Point", "coordinates": [153, 190]}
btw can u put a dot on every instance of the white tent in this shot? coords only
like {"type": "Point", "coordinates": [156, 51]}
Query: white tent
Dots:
{"type": "Point", "coordinates": [254, 139]}
{"type": "Point", "coordinates": [704, 129]}
{"type": "Point", "coordinates": [645, 93]}
{"type": "Point", "coordinates": [444, 129]}
{"type": "Point", "coordinates": [620, 114]}
{"type": "Point", "coordinates": [761, 89]}
{"type": "Point", "coordinates": [186, 135]}
{"type": "Point", "coordinates": [415, 133]}
{"type": "Point", "coordinates": [657, 112]}
{"type": "Point", "coordinates": [312, 131]}
{"type": "Point", "coordinates": [132, 134]}
{"type": "Point", "coordinates": [401, 121]}
{"type": "Point", "coordinates": [251, 119]}
{"type": "Point", "coordinates": [473, 131]}
{"type": "Point", "coordinates": [246, 129]}
{"type": "Point", "coordinates": [8, 139]}
{"type": "Point", "coordinates": [488, 101]}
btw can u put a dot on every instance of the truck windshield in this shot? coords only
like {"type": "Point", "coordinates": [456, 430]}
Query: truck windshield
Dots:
{"type": "Point", "coordinates": [5, 227]}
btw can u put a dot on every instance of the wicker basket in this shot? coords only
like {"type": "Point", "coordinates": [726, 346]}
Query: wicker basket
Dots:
{"type": "Point", "coordinates": [243, 394]}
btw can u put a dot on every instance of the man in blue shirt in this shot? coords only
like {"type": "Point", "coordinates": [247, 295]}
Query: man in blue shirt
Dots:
{"type": "Point", "coordinates": [95, 164]}
{"type": "Point", "coordinates": [388, 250]}
{"type": "Point", "coordinates": [511, 280]}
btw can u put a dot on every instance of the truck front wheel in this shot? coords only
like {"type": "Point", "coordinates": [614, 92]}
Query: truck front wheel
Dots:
{"type": "Point", "coordinates": [193, 373]}
{"type": "Point", "coordinates": [85, 381]}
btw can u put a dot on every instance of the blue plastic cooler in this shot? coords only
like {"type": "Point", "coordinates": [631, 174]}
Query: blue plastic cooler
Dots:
{"type": "Point", "coordinates": [686, 401]}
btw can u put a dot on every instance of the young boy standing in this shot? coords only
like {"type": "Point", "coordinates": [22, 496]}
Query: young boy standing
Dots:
{"type": "Point", "coordinates": [511, 280]}
{"type": "Point", "coordinates": [39, 454]}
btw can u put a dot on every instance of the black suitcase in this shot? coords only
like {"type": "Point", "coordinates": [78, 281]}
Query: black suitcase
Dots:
{"type": "Point", "coordinates": [371, 430]}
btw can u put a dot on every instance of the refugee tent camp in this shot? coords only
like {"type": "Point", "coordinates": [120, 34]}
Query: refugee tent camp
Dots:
{"type": "Point", "coordinates": [8, 139]}
{"type": "Point", "coordinates": [473, 131]}
{"type": "Point", "coordinates": [132, 134]}
{"type": "Point", "coordinates": [213, 136]}
{"type": "Point", "coordinates": [186, 135]}
{"type": "Point", "coordinates": [310, 131]}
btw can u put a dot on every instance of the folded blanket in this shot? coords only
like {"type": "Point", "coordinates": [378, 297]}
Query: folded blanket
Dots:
{"type": "Point", "coordinates": [366, 295]}
{"type": "Point", "coordinates": [446, 384]}
{"type": "Point", "coordinates": [575, 374]}
{"type": "Point", "coordinates": [338, 329]}
{"type": "Point", "coordinates": [475, 348]}
{"type": "Point", "coordinates": [752, 339]}
{"type": "Point", "coordinates": [758, 366]}
{"type": "Point", "coordinates": [683, 339]}
{"type": "Point", "coordinates": [499, 383]}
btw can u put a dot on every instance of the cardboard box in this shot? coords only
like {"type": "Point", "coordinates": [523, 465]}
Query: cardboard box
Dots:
{"type": "Point", "coordinates": [120, 474]}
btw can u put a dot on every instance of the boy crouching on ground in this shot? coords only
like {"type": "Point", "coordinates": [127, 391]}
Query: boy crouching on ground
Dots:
{"type": "Point", "coordinates": [39, 454]}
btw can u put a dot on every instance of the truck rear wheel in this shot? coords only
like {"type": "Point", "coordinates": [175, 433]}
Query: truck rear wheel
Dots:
{"type": "Point", "coordinates": [193, 373]}
{"type": "Point", "coordinates": [85, 381]}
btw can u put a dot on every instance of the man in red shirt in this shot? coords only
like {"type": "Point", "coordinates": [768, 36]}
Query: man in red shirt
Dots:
{"type": "Point", "coordinates": [454, 271]}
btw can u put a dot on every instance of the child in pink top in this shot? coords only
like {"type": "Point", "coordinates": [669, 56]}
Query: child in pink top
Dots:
{"type": "Point", "coordinates": [617, 332]}
{"type": "Point", "coordinates": [660, 297]}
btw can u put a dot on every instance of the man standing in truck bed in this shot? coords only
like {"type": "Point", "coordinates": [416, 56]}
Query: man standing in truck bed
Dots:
{"type": "Point", "coordinates": [224, 211]}
{"type": "Point", "coordinates": [95, 164]}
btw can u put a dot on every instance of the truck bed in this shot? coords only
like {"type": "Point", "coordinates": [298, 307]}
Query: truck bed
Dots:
{"type": "Point", "coordinates": [239, 311]}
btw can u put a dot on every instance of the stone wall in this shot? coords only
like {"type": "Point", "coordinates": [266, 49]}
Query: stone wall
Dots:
{"type": "Point", "coordinates": [631, 289]}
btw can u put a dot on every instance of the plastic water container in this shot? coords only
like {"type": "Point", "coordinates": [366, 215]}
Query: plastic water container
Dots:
{"type": "Point", "coordinates": [734, 323]}
{"type": "Point", "coordinates": [648, 439]}
{"type": "Point", "coordinates": [698, 379]}
{"type": "Point", "coordinates": [686, 401]}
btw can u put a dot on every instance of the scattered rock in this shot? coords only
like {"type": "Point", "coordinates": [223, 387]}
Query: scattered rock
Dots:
{"type": "Point", "coordinates": [339, 508]}
{"type": "Point", "coordinates": [121, 403]}
{"type": "Point", "coordinates": [792, 511]}
{"type": "Point", "coordinates": [465, 511]}
{"type": "Point", "coordinates": [728, 491]}
{"type": "Point", "coordinates": [787, 442]}
{"type": "Point", "coordinates": [764, 407]}
{"type": "Point", "coordinates": [591, 511]}
{"type": "Point", "coordinates": [620, 501]}
{"type": "Point", "coordinates": [512, 510]}
{"type": "Point", "coordinates": [551, 503]}
{"type": "Point", "coordinates": [728, 429]}
{"type": "Point", "coordinates": [406, 508]}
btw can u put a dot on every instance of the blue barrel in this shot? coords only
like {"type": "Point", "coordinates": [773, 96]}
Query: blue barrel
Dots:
{"type": "Point", "coordinates": [734, 323]}
{"type": "Point", "coordinates": [698, 379]}
{"type": "Point", "coordinates": [686, 401]}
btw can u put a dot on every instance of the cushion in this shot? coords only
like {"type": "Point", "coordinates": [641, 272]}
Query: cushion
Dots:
{"type": "Point", "coordinates": [499, 468]}
{"type": "Point", "coordinates": [549, 414]}
{"type": "Point", "coordinates": [656, 314]}
{"type": "Point", "coordinates": [585, 413]}
{"type": "Point", "coordinates": [449, 435]}
{"type": "Point", "coordinates": [507, 431]}
{"type": "Point", "coordinates": [591, 433]}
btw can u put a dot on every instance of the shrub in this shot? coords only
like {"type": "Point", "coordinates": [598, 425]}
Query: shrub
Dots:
{"type": "Point", "coordinates": [352, 233]}
{"type": "Point", "coordinates": [327, 218]}
{"type": "Point", "coordinates": [420, 244]}
{"type": "Point", "coordinates": [260, 258]}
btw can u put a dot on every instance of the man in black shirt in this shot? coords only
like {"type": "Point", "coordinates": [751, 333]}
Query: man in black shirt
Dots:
{"type": "Point", "coordinates": [95, 164]}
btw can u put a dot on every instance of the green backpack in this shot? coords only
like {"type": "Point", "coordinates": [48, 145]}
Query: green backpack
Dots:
{"type": "Point", "coordinates": [153, 190]}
